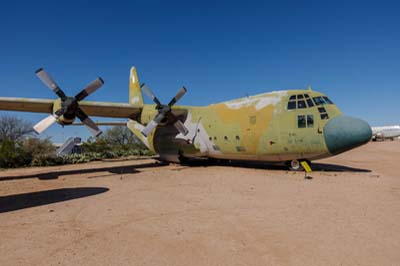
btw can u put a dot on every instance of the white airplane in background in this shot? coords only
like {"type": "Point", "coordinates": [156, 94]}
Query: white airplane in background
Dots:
{"type": "Point", "coordinates": [385, 132]}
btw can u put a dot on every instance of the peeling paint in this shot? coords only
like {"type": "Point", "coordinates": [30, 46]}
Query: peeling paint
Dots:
{"type": "Point", "coordinates": [259, 101]}
{"type": "Point", "coordinates": [135, 100]}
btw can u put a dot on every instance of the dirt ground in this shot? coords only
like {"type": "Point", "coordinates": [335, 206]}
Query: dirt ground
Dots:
{"type": "Point", "coordinates": [144, 213]}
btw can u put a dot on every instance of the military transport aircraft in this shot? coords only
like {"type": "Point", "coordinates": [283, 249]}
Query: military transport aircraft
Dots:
{"type": "Point", "coordinates": [288, 126]}
{"type": "Point", "coordinates": [385, 132]}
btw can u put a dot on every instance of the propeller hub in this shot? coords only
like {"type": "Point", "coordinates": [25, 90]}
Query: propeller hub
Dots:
{"type": "Point", "coordinates": [69, 102]}
{"type": "Point", "coordinates": [164, 112]}
{"type": "Point", "coordinates": [66, 109]}
{"type": "Point", "coordinates": [163, 108]}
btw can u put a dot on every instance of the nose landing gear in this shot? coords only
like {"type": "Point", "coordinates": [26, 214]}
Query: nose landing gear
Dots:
{"type": "Point", "coordinates": [294, 165]}
{"type": "Point", "coordinates": [299, 165]}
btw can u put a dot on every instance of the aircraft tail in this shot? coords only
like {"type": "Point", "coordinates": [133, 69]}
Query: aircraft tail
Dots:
{"type": "Point", "coordinates": [135, 93]}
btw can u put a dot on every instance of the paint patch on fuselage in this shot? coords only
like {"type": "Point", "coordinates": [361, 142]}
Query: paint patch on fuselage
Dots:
{"type": "Point", "coordinates": [135, 100]}
{"type": "Point", "coordinates": [258, 101]}
{"type": "Point", "coordinates": [198, 136]}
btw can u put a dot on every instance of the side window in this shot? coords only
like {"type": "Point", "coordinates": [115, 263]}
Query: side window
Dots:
{"type": "Point", "coordinates": [310, 121]}
{"type": "Point", "coordinates": [323, 113]}
{"type": "Point", "coordinates": [301, 121]}
{"type": "Point", "coordinates": [304, 121]}
{"type": "Point", "coordinates": [324, 116]}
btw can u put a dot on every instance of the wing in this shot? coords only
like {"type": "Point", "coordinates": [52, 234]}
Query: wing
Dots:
{"type": "Point", "coordinates": [26, 105]}
{"type": "Point", "coordinates": [103, 124]}
{"type": "Point", "coordinates": [102, 109]}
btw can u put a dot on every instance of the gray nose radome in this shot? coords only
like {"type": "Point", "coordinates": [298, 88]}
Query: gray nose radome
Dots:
{"type": "Point", "coordinates": [343, 133]}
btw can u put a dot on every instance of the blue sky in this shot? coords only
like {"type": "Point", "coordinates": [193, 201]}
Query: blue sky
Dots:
{"type": "Point", "coordinates": [219, 50]}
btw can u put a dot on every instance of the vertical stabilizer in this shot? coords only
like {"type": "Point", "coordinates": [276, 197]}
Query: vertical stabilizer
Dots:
{"type": "Point", "coordinates": [135, 93]}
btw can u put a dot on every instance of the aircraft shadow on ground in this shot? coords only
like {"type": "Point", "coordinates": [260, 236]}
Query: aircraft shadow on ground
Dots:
{"type": "Point", "coordinates": [34, 199]}
{"type": "Point", "coordinates": [337, 168]}
{"type": "Point", "coordinates": [317, 167]}
{"type": "Point", "coordinates": [127, 169]}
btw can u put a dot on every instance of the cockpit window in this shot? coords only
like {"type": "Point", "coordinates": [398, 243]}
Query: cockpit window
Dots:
{"type": "Point", "coordinates": [321, 100]}
{"type": "Point", "coordinates": [309, 101]}
{"type": "Point", "coordinates": [299, 101]}
{"type": "Point", "coordinates": [318, 100]}
{"type": "Point", "coordinates": [327, 100]}
{"type": "Point", "coordinates": [301, 104]}
{"type": "Point", "coordinates": [291, 105]}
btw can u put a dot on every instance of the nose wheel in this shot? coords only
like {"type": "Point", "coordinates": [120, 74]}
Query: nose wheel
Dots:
{"type": "Point", "coordinates": [295, 165]}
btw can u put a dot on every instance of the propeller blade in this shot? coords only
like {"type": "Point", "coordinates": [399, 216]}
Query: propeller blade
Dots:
{"type": "Point", "coordinates": [178, 95]}
{"type": "Point", "coordinates": [49, 82]}
{"type": "Point", "coordinates": [152, 125]}
{"type": "Point", "coordinates": [89, 123]}
{"type": "Point", "coordinates": [44, 124]}
{"type": "Point", "coordinates": [181, 127]}
{"type": "Point", "coordinates": [89, 89]}
{"type": "Point", "coordinates": [149, 93]}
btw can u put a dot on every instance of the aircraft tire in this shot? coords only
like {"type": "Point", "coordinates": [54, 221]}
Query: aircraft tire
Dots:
{"type": "Point", "coordinates": [294, 165]}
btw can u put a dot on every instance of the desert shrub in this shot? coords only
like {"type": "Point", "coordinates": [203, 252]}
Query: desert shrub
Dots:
{"type": "Point", "coordinates": [95, 145]}
{"type": "Point", "coordinates": [12, 155]}
{"type": "Point", "coordinates": [78, 158]}
{"type": "Point", "coordinates": [39, 147]}
{"type": "Point", "coordinates": [119, 140]}
{"type": "Point", "coordinates": [31, 151]}
{"type": "Point", "coordinates": [47, 161]}
{"type": "Point", "coordinates": [116, 142]}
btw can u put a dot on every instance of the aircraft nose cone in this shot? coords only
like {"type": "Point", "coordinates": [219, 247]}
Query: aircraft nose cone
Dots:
{"type": "Point", "coordinates": [343, 133]}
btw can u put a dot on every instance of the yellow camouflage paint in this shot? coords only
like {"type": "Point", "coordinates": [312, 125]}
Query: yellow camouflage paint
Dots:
{"type": "Point", "coordinates": [253, 128]}
{"type": "Point", "coordinates": [263, 127]}
{"type": "Point", "coordinates": [135, 94]}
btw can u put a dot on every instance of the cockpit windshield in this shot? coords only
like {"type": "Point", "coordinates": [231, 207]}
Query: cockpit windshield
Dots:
{"type": "Point", "coordinates": [321, 100]}
{"type": "Point", "coordinates": [300, 101]}
{"type": "Point", "coordinates": [327, 100]}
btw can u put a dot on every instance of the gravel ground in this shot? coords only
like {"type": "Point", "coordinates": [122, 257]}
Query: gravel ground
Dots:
{"type": "Point", "coordinates": [144, 213]}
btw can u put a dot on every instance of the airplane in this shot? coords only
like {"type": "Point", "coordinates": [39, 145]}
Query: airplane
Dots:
{"type": "Point", "coordinates": [287, 126]}
{"type": "Point", "coordinates": [385, 132]}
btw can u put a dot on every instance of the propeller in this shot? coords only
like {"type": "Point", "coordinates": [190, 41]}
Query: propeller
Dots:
{"type": "Point", "coordinates": [69, 105]}
{"type": "Point", "coordinates": [164, 111]}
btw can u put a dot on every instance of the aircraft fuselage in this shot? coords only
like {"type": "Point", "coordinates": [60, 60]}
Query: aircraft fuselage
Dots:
{"type": "Point", "coordinates": [273, 127]}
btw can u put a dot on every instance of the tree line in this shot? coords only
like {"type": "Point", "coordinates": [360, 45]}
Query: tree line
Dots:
{"type": "Point", "coordinates": [20, 147]}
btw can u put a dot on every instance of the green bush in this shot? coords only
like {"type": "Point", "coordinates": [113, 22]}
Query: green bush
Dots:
{"type": "Point", "coordinates": [12, 155]}
{"type": "Point", "coordinates": [118, 142]}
